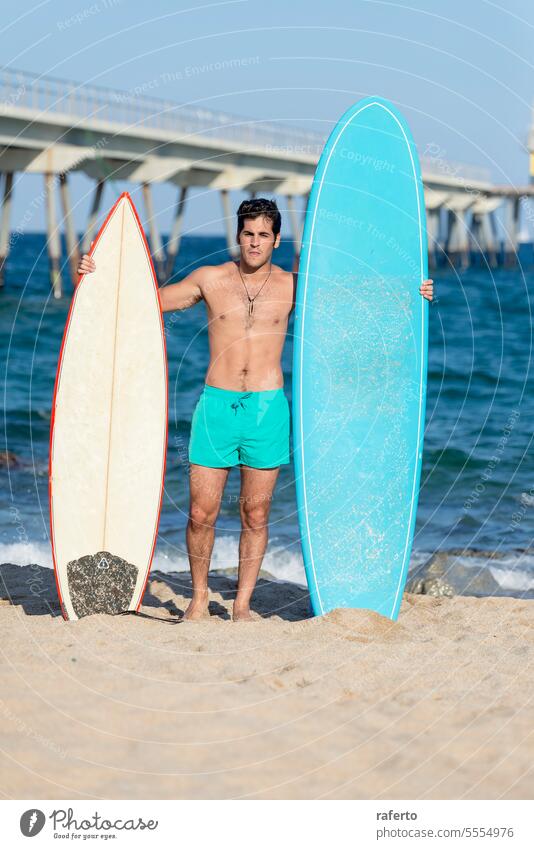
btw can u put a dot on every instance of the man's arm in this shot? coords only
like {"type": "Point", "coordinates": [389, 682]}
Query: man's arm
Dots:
{"type": "Point", "coordinates": [186, 293]}
{"type": "Point", "coordinates": [177, 296]}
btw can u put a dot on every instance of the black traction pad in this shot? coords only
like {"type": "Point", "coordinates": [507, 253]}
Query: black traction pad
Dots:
{"type": "Point", "coordinates": [101, 583]}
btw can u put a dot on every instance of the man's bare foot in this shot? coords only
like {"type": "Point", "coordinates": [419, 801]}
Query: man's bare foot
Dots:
{"type": "Point", "coordinates": [241, 613]}
{"type": "Point", "coordinates": [197, 609]}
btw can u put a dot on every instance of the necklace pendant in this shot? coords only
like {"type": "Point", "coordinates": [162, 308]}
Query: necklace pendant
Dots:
{"type": "Point", "coordinates": [250, 307]}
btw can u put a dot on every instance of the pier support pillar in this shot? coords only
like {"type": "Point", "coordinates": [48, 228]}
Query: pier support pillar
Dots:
{"type": "Point", "coordinates": [296, 225]}
{"type": "Point", "coordinates": [153, 232]}
{"type": "Point", "coordinates": [176, 233]}
{"type": "Point", "coordinates": [435, 202]}
{"type": "Point", "coordinates": [511, 231]}
{"type": "Point", "coordinates": [52, 233]}
{"type": "Point", "coordinates": [228, 216]}
{"type": "Point", "coordinates": [458, 238]}
{"type": "Point", "coordinates": [432, 226]}
{"type": "Point", "coordinates": [488, 229]}
{"type": "Point", "coordinates": [296, 258]}
{"type": "Point", "coordinates": [483, 227]}
{"type": "Point", "coordinates": [93, 218]}
{"type": "Point", "coordinates": [484, 236]}
{"type": "Point", "coordinates": [4, 225]}
{"type": "Point", "coordinates": [70, 236]}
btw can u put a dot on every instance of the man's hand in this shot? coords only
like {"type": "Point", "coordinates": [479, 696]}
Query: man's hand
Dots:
{"type": "Point", "coordinates": [86, 265]}
{"type": "Point", "coordinates": [427, 289]}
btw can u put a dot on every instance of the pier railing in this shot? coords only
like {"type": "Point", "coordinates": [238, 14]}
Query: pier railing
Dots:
{"type": "Point", "coordinates": [51, 96]}
{"type": "Point", "coordinates": [132, 108]}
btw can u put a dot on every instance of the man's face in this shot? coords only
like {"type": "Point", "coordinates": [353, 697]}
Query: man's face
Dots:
{"type": "Point", "coordinates": [257, 241]}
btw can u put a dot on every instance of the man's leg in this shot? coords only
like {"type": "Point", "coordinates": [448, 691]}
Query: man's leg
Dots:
{"type": "Point", "coordinates": [206, 487]}
{"type": "Point", "coordinates": [257, 487]}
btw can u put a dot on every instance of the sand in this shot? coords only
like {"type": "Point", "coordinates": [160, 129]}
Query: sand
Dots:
{"type": "Point", "coordinates": [289, 706]}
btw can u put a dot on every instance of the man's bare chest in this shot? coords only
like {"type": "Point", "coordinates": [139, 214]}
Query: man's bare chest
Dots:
{"type": "Point", "coordinates": [231, 303]}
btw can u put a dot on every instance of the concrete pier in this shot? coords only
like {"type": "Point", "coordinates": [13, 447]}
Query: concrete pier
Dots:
{"type": "Point", "coordinates": [108, 135]}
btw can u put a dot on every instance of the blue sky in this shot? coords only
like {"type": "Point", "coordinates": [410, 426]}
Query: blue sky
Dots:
{"type": "Point", "coordinates": [462, 72]}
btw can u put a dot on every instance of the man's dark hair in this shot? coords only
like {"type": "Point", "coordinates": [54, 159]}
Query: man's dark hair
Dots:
{"type": "Point", "coordinates": [255, 207]}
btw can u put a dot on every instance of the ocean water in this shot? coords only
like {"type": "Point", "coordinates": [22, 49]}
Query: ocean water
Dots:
{"type": "Point", "coordinates": [476, 504]}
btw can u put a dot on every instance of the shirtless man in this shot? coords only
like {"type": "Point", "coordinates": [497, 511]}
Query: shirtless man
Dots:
{"type": "Point", "coordinates": [242, 416]}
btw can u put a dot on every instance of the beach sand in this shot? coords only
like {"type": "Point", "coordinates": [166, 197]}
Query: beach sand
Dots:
{"type": "Point", "coordinates": [344, 706]}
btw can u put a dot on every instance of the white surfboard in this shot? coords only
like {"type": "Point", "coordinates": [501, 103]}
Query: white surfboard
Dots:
{"type": "Point", "coordinates": [108, 433]}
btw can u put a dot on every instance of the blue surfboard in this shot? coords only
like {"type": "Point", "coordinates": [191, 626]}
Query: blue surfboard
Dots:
{"type": "Point", "coordinates": [360, 362]}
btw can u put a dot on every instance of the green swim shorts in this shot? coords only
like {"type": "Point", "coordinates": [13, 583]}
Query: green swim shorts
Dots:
{"type": "Point", "coordinates": [232, 428]}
